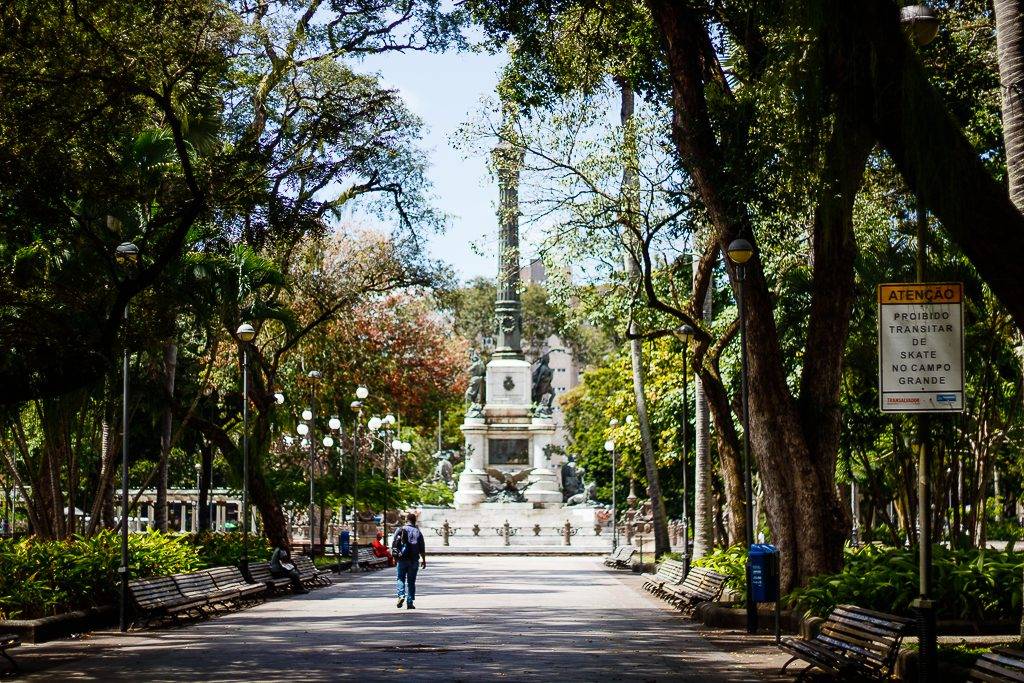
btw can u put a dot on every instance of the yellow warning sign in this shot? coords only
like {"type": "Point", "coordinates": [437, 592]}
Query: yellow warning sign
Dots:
{"type": "Point", "coordinates": [921, 293]}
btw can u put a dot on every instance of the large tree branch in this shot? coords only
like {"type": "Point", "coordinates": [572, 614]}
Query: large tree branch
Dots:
{"type": "Point", "coordinates": [930, 150]}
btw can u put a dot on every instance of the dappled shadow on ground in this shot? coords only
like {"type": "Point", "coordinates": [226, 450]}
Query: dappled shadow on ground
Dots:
{"type": "Point", "coordinates": [477, 620]}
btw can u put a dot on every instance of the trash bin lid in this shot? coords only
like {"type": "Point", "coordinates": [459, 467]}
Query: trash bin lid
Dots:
{"type": "Point", "coordinates": [763, 549]}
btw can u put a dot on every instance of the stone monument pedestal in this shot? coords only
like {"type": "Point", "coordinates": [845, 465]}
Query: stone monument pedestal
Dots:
{"type": "Point", "coordinates": [544, 485]}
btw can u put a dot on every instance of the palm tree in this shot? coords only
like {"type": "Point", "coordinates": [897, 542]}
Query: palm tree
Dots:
{"type": "Point", "coordinates": [703, 512]}
{"type": "Point", "coordinates": [1010, 43]}
{"type": "Point", "coordinates": [629, 192]}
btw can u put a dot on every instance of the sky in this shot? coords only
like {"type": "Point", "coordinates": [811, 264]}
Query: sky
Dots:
{"type": "Point", "coordinates": [446, 90]}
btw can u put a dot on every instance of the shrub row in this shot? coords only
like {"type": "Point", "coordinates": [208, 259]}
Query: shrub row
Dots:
{"type": "Point", "coordinates": [43, 578]}
{"type": "Point", "coordinates": [976, 585]}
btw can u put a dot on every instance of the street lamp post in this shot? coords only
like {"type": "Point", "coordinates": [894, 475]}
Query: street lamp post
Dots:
{"type": "Point", "coordinates": [361, 395]}
{"type": "Point", "coordinates": [740, 252]}
{"type": "Point", "coordinates": [374, 426]}
{"type": "Point", "coordinates": [314, 375]}
{"type": "Point", "coordinates": [127, 255]}
{"type": "Point", "coordinates": [685, 333]}
{"type": "Point", "coordinates": [246, 334]}
{"type": "Point", "coordinates": [609, 446]}
{"type": "Point", "coordinates": [199, 477]}
{"type": "Point", "coordinates": [387, 421]}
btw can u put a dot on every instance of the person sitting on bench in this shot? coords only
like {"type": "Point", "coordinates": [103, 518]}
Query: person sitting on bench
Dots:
{"type": "Point", "coordinates": [281, 565]}
{"type": "Point", "coordinates": [380, 550]}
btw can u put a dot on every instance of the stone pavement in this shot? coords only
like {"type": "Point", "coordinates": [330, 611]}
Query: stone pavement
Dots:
{"type": "Point", "coordinates": [477, 618]}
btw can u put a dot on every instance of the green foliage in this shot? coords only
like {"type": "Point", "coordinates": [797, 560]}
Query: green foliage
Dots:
{"type": "Point", "coordinates": [607, 392]}
{"type": "Point", "coordinates": [1005, 530]}
{"type": "Point", "coordinates": [42, 578]}
{"type": "Point", "coordinates": [218, 550]}
{"type": "Point", "coordinates": [731, 562]}
{"type": "Point", "coordinates": [978, 585]}
{"type": "Point", "coordinates": [434, 493]}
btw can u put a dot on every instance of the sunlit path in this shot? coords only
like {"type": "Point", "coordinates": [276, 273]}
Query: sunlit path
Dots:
{"type": "Point", "coordinates": [477, 618]}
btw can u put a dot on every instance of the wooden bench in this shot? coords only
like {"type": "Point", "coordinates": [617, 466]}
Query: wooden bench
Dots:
{"type": "Point", "coordinates": [320, 549]}
{"type": "Point", "coordinates": [309, 573]}
{"type": "Point", "coordinates": [701, 585]}
{"type": "Point", "coordinates": [230, 578]}
{"type": "Point", "coordinates": [627, 559]}
{"type": "Point", "coordinates": [612, 559]}
{"type": "Point", "coordinates": [7, 641]}
{"type": "Point", "coordinates": [367, 560]}
{"type": "Point", "coordinates": [201, 586]}
{"type": "Point", "coordinates": [854, 643]}
{"type": "Point", "coordinates": [261, 574]}
{"type": "Point", "coordinates": [1002, 664]}
{"type": "Point", "coordinates": [160, 597]}
{"type": "Point", "coordinates": [670, 573]}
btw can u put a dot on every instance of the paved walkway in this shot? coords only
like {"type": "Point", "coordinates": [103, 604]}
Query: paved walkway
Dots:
{"type": "Point", "coordinates": [477, 618]}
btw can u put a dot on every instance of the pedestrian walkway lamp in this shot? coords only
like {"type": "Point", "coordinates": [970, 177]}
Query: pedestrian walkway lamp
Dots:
{"type": "Point", "coordinates": [246, 333]}
{"type": "Point", "coordinates": [362, 393]}
{"type": "Point", "coordinates": [127, 255]}
{"type": "Point", "coordinates": [685, 333]}
{"type": "Point", "coordinates": [310, 415]}
{"type": "Point", "coordinates": [609, 445]}
{"type": "Point", "coordinates": [921, 23]}
{"type": "Point", "coordinates": [740, 252]}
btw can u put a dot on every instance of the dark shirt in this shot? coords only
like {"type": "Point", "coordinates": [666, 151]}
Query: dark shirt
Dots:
{"type": "Point", "coordinates": [417, 548]}
{"type": "Point", "coordinates": [280, 562]}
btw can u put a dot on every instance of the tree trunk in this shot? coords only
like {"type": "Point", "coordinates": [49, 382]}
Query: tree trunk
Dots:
{"type": "Point", "coordinates": [205, 485]}
{"type": "Point", "coordinates": [1010, 44]}
{"type": "Point", "coordinates": [730, 462]}
{"type": "Point", "coordinates": [261, 494]}
{"type": "Point", "coordinates": [796, 460]}
{"type": "Point", "coordinates": [167, 432]}
{"type": "Point", "coordinates": [703, 514]}
{"type": "Point", "coordinates": [275, 524]}
{"type": "Point", "coordinates": [629, 183]}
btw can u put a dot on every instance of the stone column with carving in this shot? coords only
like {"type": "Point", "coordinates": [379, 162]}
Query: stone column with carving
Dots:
{"type": "Point", "coordinates": [508, 308]}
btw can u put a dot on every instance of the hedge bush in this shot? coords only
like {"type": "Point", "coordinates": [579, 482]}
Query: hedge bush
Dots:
{"type": "Point", "coordinates": [977, 585]}
{"type": "Point", "coordinates": [42, 578]}
{"type": "Point", "coordinates": [731, 562]}
{"type": "Point", "coordinates": [219, 550]}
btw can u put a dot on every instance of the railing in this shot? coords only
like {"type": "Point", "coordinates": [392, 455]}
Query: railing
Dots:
{"type": "Point", "coordinates": [506, 531]}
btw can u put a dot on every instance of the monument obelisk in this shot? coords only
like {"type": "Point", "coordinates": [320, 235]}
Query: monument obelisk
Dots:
{"type": "Point", "coordinates": [506, 435]}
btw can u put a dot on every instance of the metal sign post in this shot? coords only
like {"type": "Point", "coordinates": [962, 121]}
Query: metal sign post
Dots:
{"type": "Point", "coordinates": [921, 370]}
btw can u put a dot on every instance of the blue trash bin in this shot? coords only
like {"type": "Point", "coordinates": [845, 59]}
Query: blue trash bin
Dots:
{"type": "Point", "coordinates": [764, 572]}
{"type": "Point", "coordinates": [344, 545]}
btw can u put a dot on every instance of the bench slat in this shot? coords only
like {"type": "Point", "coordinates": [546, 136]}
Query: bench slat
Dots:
{"type": "Point", "coordinates": [858, 641]}
{"type": "Point", "coordinates": [1002, 664]}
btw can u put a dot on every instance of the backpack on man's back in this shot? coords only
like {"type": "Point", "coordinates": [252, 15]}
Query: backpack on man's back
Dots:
{"type": "Point", "coordinates": [400, 546]}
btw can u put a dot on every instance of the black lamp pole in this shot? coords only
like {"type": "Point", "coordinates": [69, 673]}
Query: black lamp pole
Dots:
{"type": "Point", "coordinates": [685, 334]}
{"type": "Point", "coordinates": [686, 460]}
{"type": "Point", "coordinates": [246, 333]}
{"type": "Point", "coordinates": [747, 478]}
{"type": "Point", "coordinates": [740, 251]}
{"type": "Point", "coordinates": [313, 376]}
{"type": "Point", "coordinates": [245, 460]}
{"type": "Point", "coordinates": [358, 406]}
{"type": "Point", "coordinates": [123, 569]}
{"type": "Point", "coordinates": [126, 254]}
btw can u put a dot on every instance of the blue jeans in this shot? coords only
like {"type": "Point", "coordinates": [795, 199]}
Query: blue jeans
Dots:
{"type": "Point", "coordinates": [407, 575]}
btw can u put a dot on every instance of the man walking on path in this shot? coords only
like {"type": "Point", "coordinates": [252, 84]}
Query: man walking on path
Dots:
{"type": "Point", "coordinates": [410, 551]}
